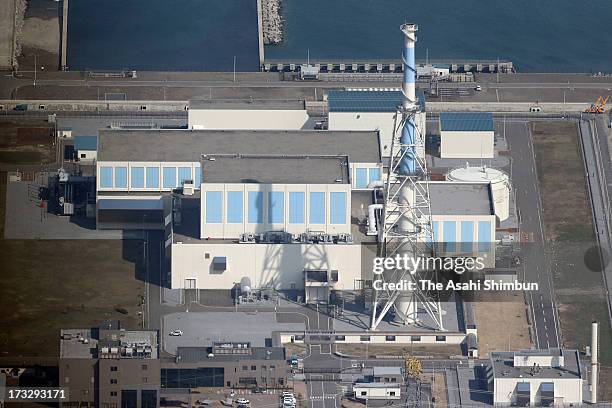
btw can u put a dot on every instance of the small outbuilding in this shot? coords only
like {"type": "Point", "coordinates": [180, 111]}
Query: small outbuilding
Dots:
{"type": "Point", "coordinates": [466, 135]}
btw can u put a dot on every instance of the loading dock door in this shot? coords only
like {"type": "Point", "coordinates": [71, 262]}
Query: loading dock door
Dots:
{"type": "Point", "coordinates": [317, 294]}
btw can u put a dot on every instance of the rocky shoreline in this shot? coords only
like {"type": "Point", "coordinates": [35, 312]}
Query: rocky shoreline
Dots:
{"type": "Point", "coordinates": [272, 21]}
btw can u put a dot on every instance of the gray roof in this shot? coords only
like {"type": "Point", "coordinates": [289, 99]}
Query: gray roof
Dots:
{"type": "Point", "coordinates": [387, 371]}
{"type": "Point", "coordinates": [246, 104]}
{"type": "Point", "coordinates": [197, 354]}
{"type": "Point", "coordinates": [275, 169]}
{"type": "Point", "coordinates": [503, 366]}
{"type": "Point", "coordinates": [369, 101]}
{"type": "Point", "coordinates": [188, 145]}
{"type": "Point", "coordinates": [449, 198]}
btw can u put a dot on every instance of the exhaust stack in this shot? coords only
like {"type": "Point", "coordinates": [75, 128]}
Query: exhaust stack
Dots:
{"type": "Point", "coordinates": [594, 362]}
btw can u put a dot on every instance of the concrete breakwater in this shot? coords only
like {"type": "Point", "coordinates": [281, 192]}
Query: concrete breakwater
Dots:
{"type": "Point", "coordinates": [272, 21]}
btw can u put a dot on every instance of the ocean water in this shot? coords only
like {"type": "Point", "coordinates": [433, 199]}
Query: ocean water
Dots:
{"type": "Point", "coordinates": [175, 35]}
{"type": "Point", "coordinates": [205, 35]}
{"type": "Point", "coordinates": [537, 35]}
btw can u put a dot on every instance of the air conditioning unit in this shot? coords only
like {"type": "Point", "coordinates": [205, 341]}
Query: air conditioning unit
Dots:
{"type": "Point", "coordinates": [188, 188]}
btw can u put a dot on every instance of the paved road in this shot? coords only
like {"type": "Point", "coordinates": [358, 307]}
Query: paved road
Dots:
{"type": "Point", "coordinates": [535, 261]}
{"type": "Point", "coordinates": [594, 134]}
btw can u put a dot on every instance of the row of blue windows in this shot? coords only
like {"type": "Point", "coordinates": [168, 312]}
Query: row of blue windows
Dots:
{"type": "Point", "coordinates": [364, 176]}
{"type": "Point", "coordinates": [152, 180]}
{"type": "Point", "coordinates": [276, 207]}
{"type": "Point", "coordinates": [466, 229]}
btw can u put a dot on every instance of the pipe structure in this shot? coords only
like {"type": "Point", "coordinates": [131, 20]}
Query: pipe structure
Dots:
{"type": "Point", "coordinates": [408, 163]}
{"type": "Point", "coordinates": [594, 362]}
{"type": "Point", "coordinates": [372, 228]}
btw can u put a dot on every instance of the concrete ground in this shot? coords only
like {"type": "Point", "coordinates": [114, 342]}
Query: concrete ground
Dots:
{"type": "Point", "coordinates": [7, 19]}
{"type": "Point", "coordinates": [25, 219]}
{"type": "Point", "coordinates": [201, 329]}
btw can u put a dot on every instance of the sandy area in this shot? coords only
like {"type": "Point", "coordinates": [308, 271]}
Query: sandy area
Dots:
{"type": "Point", "coordinates": [495, 334]}
{"type": "Point", "coordinates": [43, 34]}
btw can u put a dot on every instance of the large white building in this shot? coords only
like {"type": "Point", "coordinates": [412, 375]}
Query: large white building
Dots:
{"type": "Point", "coordinates": [247, 114]}
{"type": "Point", "coordinates": [371, 110]}
{"type": "Point", "coordinates": [536, 378]}
{"type": "Point", "coordinates": [467, 135]}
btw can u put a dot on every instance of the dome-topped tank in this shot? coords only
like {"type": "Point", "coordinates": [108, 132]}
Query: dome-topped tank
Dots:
{"type": "Point", "coordinates": [500, 185]}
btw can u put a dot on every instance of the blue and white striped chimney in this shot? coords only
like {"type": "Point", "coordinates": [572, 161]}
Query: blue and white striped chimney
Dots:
{"type": "Point", "coordinates": [408, 163]}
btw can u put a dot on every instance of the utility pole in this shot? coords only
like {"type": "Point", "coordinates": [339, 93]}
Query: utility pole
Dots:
{"type": "Point", "coordinates": [35, 64]}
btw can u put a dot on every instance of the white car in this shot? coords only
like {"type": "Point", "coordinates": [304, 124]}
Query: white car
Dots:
{"type": "Point", "coordinates": [243, 401]}
{"type": "Point", "coordinates": [478, 88]}
{"type": "Point", "coordinates": [176, 333]}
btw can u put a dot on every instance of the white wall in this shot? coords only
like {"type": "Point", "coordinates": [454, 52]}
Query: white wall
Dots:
{"type": "Point", "coordinates": [457, 219]}
{"type": "Point", "coordinates": [247, 119]}
{"type": "Point", "coordinates": [225, 230]}
{"type": "Point", "coordinates": [85, 155]}
{"type": "Point", "coordinates": [378, 392]}
{"type": "Point", "coordinates": [381, 121]}
{"type": "Point", "coordinates": [467, 145]}
{"type": "Point", "coordinates": [280, 265]}
{"type": "Point", "coordinates": [567, 390]}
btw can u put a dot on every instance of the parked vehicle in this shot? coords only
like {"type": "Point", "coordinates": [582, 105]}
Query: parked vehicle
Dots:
{"type": "Point", "coordinates": [243, 401]}
{"type": "Point", "coordinates": [176, 333]}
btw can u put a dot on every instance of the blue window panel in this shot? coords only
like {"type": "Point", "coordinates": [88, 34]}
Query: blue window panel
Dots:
{"type": "Point", "coordinates": [337, 208]}
{"type": "Point", "coordinates": [169, 174]}
{"type": "Point", "coordinates": [484, 236]}
{"type": "Point", "coordinates": [121, 177]}
{"type": "Point", "coordinates": [316, 213]}
{"type": "Point", "coordinates": [197, 180]}
{"type": "Point", "coordinates": [137, 177]}
{"type": "Point", "coordinates": [276, 207]}
{"type": "Point", "coordinates": [374, 174]}
{"type": "Point", "coordinates": [435, 234]}
{"type": "Point", "coordinates": [449, 235]}
{"type": "Point", "coordinates": [467, 236]}
{"type": "Point", "coordinates": [361, 177]}
{"type": "Point", "coordinates": [213, 207]}
{"type": "Point", "coordinates": [184, 173]}
{"type": "Point", "coordinates": [296, 207]}
{"type": "Point", "coordinates": [234, 207]}
{"type": "Point", "coordinates": [152, 177]}
{"type": "Point", "coordinates": [255, 208]}
{"type": "Point", "coordinates": [106, 177]}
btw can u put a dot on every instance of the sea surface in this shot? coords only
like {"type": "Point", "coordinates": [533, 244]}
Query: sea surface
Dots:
{"type": "Point", "coordinates": [169, 35]}
{"type": "Point", "coordinates": [537, 35]}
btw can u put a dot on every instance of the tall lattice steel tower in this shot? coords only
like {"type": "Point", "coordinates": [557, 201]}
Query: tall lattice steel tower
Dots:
{"type": "Point", "coordinates": [406, 218]}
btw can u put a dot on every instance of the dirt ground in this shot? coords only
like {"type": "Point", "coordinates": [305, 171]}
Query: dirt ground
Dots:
{"type": "Point", "coordinates": [373, 350]}
{"type": "Point", "coordinates": [438, 388]}
{"type": "Point", "coordinates": [495, 337]}
{"type": "Point", "coordinates": [26, 141]}
{"type": "Point", "coordinates": [49, 285]}
{"type": "Point", "coordinates": [570, 240]}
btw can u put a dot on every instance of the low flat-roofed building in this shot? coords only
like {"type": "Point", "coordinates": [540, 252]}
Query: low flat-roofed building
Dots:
{"type": "Point", "coordinates": [231, 365]}
{"type": "Point", "coordinates": [536, 377]}
{"type": "Point", "coordinates": [107, 366]}
{"type": "Point", "coordinates": [247, 114]}
{"type": "Point", "coordinates": [465, 135]}
{"type": "Point", "coordinates": [377, 391]}
{"type": "Point", "coordinates": [86, 147]}
{"type": "Point", "coordinates": [463, 219]}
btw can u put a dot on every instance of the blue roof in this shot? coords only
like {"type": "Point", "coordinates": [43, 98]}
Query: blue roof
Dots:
{"type": "Point", "coordinates": [368, 101]}
{"type": "Point", "coordinates": [466, 121]}
{"type": "Point", "coordinates": [86, 143]}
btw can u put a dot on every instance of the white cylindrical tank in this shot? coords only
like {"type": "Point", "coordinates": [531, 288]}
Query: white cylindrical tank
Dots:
{"type": "Point", "coordinates": [500, 185]}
